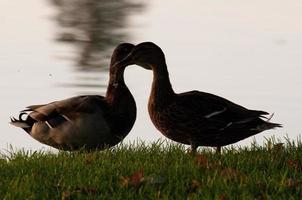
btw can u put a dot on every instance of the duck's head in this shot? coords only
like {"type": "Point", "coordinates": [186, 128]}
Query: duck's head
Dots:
{"type": "Point", "coordinates": [146, 55]}
{"type": "Point", "coordinates": [120, 53]}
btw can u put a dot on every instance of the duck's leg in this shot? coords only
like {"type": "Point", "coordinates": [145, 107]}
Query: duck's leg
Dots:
{"type": "Point", "coordinates": [218, 149]}
{"type": "Point", "coordinates": [193, 149]}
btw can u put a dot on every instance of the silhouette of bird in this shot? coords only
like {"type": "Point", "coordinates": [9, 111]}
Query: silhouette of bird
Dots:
{"type": "Point", "coordinates": [85, 122]}
{"type": "Point", "coordinates": [194, 118]}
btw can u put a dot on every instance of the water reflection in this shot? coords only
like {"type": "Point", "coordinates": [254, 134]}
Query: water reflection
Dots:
{"type": "Point", "coordinates": [93, 27]}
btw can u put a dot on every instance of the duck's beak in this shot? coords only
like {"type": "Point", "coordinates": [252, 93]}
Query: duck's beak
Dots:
{"type": "Point", "coordinates": [128, 60]}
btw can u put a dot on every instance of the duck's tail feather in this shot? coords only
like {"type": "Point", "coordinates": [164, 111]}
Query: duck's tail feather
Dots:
{"type": "Point", "coordinates": [21, 123]}
{"type": "Point", "coordinates": [266, 126]}
{"type": "Point", "coordinates": [270, 125]}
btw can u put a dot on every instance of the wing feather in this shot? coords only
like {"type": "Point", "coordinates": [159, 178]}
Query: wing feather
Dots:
{"type": "Point", "coordinates": [58, 112]}
{"type": "Point", "coordinates": [212, 110]}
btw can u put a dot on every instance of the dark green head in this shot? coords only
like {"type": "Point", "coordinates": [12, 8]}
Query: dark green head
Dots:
{"type": "Point", "coordinates": [120, 53]}
{"type": "Point", "coordinates": [146, 55]}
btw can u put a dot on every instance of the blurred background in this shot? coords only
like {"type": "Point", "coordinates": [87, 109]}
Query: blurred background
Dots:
{"type": "Point", "coordinates": [249, 52]}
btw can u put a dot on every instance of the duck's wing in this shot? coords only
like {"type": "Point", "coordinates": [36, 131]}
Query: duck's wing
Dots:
{"type": "Point", "coordinates": [58, 112]}
{"type": "Point", "coordinates": [210, 110]}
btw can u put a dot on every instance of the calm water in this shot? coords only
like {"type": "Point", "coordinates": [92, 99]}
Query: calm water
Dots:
{"type": "Point", "coordinates": [249, 52]}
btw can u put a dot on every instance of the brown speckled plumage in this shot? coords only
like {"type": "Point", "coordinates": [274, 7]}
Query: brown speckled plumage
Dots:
{"type": "Point", "coordinates": [87, 122]}
{"type": "Point", "coordinates": [194, 118]}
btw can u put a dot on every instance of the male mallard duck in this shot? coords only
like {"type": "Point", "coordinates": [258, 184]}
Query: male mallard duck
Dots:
{"type": "Point", "coordinates": [194, 118]}
{"type": "Point", "coordinates": [89, 122]}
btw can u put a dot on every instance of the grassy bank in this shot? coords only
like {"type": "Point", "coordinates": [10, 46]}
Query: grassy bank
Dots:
{"type": "Point", "coordinates": [155, 172]}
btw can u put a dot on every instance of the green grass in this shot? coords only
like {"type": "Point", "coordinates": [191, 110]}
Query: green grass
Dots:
{"type": "Point", "coordinates": [155, 172]}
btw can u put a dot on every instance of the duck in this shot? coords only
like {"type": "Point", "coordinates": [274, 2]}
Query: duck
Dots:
{"type": "Point", "coordinates": [87, 122]}
{"type": "Point", "coordinates": [194, 118]}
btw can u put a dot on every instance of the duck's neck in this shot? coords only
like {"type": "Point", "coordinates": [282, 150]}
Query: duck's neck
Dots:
{"type": "Point", "coordinates": [122, 106]}
{"type": "Point", "coordinates": [161, 91]}
{"type": "Point", "coordinates": [116, 87]}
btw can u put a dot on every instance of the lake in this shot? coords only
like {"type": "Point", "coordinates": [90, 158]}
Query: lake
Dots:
{"type": "Point", "coordinates": [249, 52]}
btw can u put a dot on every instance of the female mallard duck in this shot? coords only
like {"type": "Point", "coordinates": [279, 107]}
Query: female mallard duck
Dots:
{"type": "Point", "coordinates": [89, 122]}
{"type": "Point", "coordinates": [194, 118]}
